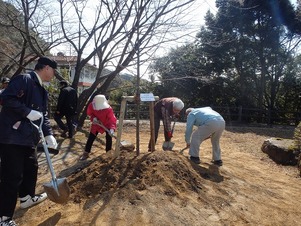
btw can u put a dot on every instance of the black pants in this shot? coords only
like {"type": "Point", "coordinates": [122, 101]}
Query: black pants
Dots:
{"type": "Point", "coordinates": [69, 125]}
{"type": "Point", "coordinates": [91, 139]}
{"type": "Point", "coordinates": [19, 170]}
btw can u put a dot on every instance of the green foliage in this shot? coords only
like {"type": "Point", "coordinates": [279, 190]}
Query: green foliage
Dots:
{"type": "Point", "coordinates": [125, 85]}
{"type": "Point", "coordinates": [243, 56]}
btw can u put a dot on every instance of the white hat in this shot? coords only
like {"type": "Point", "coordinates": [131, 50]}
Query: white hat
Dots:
{"type": "Point", "coordinates": [178, 104]}
{"type": "Point", "coordinates": [100, 102]}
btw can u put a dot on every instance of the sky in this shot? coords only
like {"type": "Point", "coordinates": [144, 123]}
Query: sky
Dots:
{"type": "Point", "coordinates": [195, 19]}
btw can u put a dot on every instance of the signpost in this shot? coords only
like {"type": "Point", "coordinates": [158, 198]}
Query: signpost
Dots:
{"type": "Point", "coordinates": [145, 97]}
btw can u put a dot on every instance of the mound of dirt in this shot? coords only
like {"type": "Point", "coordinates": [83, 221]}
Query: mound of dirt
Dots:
{"type": "Point", "coordinates": [143, 182]}
{"type": "Point", "coordinates": [128, 174]}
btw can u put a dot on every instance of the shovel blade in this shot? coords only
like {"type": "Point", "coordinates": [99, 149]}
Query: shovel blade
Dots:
{"type": "Point", "coordinates": [168, 145]}
{"type": "Point", "coordinates": [50, 150]}
{"type": "Point", "coordinates": [57, 190]}
{"type": "Point", "coordinates": [127, 145]}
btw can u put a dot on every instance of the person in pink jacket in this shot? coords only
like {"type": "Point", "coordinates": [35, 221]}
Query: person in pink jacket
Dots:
{"type": "Point", "coordinates": [100, 112]}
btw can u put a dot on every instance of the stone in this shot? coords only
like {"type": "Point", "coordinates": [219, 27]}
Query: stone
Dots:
{"type": "Point", "coordinates": [281, 151]}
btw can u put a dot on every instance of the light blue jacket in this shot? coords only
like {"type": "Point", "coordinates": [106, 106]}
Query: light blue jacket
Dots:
{"type": "Point", "coordinates": [198, 117]}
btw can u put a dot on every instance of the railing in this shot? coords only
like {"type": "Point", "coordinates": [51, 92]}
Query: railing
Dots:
{"type": "Point", "coordinates": [230, 114]}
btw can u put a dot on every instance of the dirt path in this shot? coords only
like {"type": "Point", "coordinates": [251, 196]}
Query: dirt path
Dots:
{"type": "Point", "coordinates": [165, 188]}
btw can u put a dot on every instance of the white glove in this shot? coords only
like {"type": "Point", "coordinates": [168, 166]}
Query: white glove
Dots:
{"type": "Point", "coordinates": [95, 120]}
{"type": "Point", "coordinates": [112, 132]}
{"type": "Point", "coordinates": [51, 141]}
{"type": "Point", "coordinates": [34, 115]}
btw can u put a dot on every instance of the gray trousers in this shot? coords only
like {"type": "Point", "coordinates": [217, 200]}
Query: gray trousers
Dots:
{"type": "Point", "coordinates": [214, 128]}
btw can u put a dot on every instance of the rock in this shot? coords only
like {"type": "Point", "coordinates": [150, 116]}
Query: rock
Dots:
{"type": "Point", "coordinates": [282, 151]}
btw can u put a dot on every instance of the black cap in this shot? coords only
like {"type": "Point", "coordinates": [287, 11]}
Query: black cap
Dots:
{"type": "Point", "coordinates": [47, 61]}
{"type": "Point", "coordinates": [5, 80]}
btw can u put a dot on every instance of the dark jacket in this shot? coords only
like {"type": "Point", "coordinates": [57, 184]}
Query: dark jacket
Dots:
{"type": "Point", "coordinates": [67, 101]}
{"type": "Point", "coordinates": [23, 94]}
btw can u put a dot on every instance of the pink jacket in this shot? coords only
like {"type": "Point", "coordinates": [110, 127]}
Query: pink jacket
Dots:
{"type": "Point", "coordinates": [105, 116]}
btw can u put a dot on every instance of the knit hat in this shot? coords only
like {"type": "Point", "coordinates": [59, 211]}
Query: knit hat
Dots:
{"type": "Point", "coordinates": [100, 102]}
{"type": "Point", "coordinates": [178, 105]}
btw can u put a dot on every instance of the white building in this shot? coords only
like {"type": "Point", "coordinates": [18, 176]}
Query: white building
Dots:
{"type": "Point", "coordinates": [88, 73]}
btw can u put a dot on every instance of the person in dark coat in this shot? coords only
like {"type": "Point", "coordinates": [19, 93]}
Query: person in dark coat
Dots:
{"type": "Point", "coordinates": [166, 109]}
{"type": "Point", "coordinates": [4, 84]}
{"type": "Point", "coordinates": [66, 107]}
{"type": "Point", "coordinates": [23, 101]}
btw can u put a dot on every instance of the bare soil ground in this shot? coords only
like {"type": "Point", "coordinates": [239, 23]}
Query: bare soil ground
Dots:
{"type": "Point", "coordinates": [165, 188]}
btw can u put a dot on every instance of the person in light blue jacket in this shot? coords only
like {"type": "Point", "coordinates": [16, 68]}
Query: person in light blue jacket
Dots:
{"type": "Point", "coordinates": [210, 125]}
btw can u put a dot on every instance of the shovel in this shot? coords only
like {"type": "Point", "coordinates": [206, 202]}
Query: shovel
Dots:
{"type": "Point", "coordinates": [183, 149]}
{"type": "Point", "coordinates": [123, 144]}
{"type": "Point", "coordinates": [58, 189]}
{"type": "Point", "coordinates": [168, 145]}
{"type": "Point", "coordinates": [52, 151]}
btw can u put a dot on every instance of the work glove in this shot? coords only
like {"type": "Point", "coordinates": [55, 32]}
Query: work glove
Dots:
{"type": "Point", "coordinates": [169, 134]}
{"type": "Point", "coordinates": [112, 132]}
{"type": "Point", "coordinates": [34, 115]}
{"type": "Point", "coordinates": [51, 141]}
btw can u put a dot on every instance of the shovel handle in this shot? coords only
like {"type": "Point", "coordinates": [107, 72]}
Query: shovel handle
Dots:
{"type": "Point", "coordinates": [183, 149]}
{"type": "Point", "coordinates": [173, 126]}
{"type": "Point", "coordinates": [39, 128]}
{"type": "Point", "coordinates": [105, 128]}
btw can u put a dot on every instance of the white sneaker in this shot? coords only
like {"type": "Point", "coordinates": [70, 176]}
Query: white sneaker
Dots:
{"type": "Point", "coordinates": [6, 221]}
{"type": "Point", "coordinates": [29, 201]}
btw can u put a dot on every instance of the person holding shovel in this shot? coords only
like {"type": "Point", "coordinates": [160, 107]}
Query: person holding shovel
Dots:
{"type": "Point", "coordinates": [101, 113]}
{"type": "Point", "coordinates": [210, 125]}
{"type": "Point", "coordinates": [166, 109]}
{"type": "Point", "coordinates": [23, 101]}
